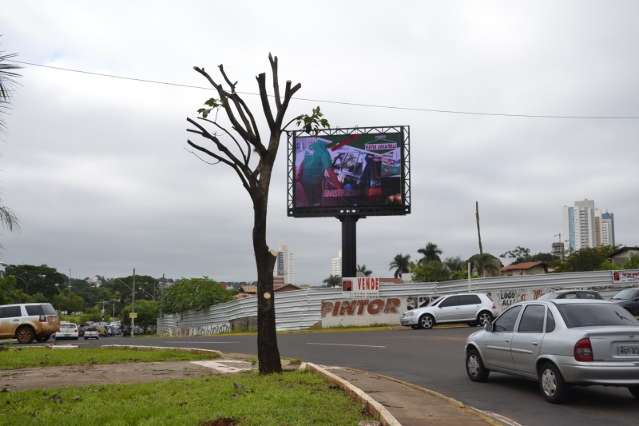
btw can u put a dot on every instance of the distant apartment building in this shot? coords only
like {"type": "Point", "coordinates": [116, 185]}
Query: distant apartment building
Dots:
{"type": "Point", "coordinates": [586, 226]}
{"type": "Point", "coordinates": [336, 264]}
{"type": "Point", "coordinates": [558, 249]}
{"type": "Point", "coordinates": [285, 265]}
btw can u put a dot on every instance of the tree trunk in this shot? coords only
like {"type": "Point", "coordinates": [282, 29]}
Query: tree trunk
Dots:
{"type": "Point", "coordinates": [268, 354]}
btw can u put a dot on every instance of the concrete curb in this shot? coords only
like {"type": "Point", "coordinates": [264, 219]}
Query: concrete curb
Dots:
{"type": "Point", "coordinates": [491, 418]}
{"type": "Point", "coordinates": [373, 407]}
{"type": "Point", "coordinates": [200, 350]}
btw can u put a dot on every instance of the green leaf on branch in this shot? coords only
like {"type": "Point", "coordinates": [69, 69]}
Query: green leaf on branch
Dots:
{"type": "Point", "coordinates": [212, 104]}
{"type": "Point", "coordinates": [313, 122]}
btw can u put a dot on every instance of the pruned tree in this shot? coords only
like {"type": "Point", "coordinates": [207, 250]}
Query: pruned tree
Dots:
{"type": "Point", "coordinates": [242, 148]}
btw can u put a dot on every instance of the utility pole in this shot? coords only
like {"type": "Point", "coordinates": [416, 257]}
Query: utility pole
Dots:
{"type": "Point", "coordinates": [481, 249]}
{"type": "Point", "coordinates": [133, 306]}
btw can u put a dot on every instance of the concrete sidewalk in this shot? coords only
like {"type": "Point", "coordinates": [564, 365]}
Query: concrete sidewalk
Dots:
{"type": "Point", "coordinates": [412, 405]}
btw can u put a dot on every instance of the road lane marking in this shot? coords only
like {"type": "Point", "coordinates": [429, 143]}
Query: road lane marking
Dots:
{"type": "Point", "coordinates": [346, 344]}
{"type": "Point", "coordinates": [198, 342]}
{"type": "Point", "coordinates": [221, 367]}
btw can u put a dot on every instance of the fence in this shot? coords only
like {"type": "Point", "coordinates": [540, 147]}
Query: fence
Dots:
{"type": "Point", "coordinates": [303, 308]}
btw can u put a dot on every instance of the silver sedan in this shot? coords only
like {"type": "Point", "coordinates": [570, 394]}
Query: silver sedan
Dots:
{"type": "Point", "coordinates": [559, 343]}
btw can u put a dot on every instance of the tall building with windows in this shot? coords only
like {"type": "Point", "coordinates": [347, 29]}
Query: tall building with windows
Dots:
{"type": "Point", "coordinates": [285, 265]}
{"type": "Point", "coordinates": [585, 226]}
{"type": "Point", "coordinates": [336, 264]}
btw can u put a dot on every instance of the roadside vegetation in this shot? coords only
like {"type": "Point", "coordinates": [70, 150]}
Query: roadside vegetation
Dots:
{"type": "Point", "coordinates": [291, 398]}
{"type": "Point", "coordinates": [12, 358]}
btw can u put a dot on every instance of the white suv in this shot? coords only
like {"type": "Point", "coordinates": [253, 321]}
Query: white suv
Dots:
{"type": "Point", "coordinates": [476, 308]}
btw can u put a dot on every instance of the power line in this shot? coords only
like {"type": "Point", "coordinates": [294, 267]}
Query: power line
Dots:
{"type": "Point", "coordinates": [346, 103]}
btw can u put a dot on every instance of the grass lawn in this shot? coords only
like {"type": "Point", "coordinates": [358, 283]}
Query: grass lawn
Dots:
{"type": "Point", "coordinates": [11, 358]}
{"type": "Point", "coordinates": [292, 398]}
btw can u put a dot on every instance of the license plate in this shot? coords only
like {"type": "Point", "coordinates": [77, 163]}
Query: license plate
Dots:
{"type": "Point", "coordinates": [628, 350]}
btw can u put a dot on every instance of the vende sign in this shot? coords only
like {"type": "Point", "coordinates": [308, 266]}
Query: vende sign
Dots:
{"type": "Point", "coordinates": [622, 277]}
{"type": "Point", "coordinates": [360, 286]}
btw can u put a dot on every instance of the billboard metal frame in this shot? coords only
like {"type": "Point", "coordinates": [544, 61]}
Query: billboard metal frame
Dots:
{"type": "Point", "coordinates": [339, 211]}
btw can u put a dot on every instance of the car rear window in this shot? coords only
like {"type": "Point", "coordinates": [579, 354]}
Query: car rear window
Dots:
{"type": "Point", "coordinates": [586, 314]}
{"type": "Point", "coordinates": [34, 310]}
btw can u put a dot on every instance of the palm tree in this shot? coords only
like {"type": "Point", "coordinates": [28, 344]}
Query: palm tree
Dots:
{"type": "Point", "coordinates": [485, 264]}
{"type": "Point", "coordinates": [362, 270]}
{"type": "Point", "coordinates": [7, 217]}
{"type": "Point", "coordinates": [333, 281]}
{"type": "Point", "coordinates": [430, 253]}
{"type": "Point", "coordinates": [401, 264]}
{"type": "Point", "coordinates": [454, 264]}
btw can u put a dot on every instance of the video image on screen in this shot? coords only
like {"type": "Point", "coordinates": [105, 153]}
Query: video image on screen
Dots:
{"type": "Point", "coordinates": [348, 170]}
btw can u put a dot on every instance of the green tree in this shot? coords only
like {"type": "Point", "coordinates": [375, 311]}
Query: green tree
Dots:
{"type": "Point", "coordinates": [401, 264]}
{"type": "Point", "coordinates": [430, 253]}
{"type": "Point", "coordinates": [485, 264]}
{"type": "Point", "coordinates": [251, 158]}
{"type": "Point", "coordinates": [68, 301]}
{"type": "Point", "coordinates": [10, 293]}
{"type": "Point", "coordinates": [38, 279]}
{"type": "Point", "coordinates": [430, 271]}
{"type": "Point", "coordinates": [588, 259]}
{"type": "Point", "coordinates": [455, 264]}
{"type": "Point", "coordinates": [544, 257]}
{"type": "Point", "coordinates": [518, 255]}
{"type": "Point", "coordinates": [632, 262]}
{"type": "Point", "coordinates": [121, 288]}
{"type": "Point", "coordinates": [192, 294]}
{"type": "Point", "coordinates": [333, 281]}
{"type": "Point", "coordinates": [147, 311]}
{"type": "Point", "coordinates": [363, 271]}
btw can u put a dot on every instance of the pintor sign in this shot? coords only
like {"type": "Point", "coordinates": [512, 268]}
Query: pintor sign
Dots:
{"type": "Point", "coordinates": [362, 311]}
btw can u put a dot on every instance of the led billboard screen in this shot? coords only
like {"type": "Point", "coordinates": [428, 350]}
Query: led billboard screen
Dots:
{"type": "Point", "coordinates": [359, 171]}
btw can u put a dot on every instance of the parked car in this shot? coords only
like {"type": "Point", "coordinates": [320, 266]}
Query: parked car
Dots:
{"type": "Point", "coordinates": [28, 322]}
{"type": "Point", "coordinates": [559, 343]}
{"type": "Point", "coordinates": [91, 333]}
{"type": "Point", "coordinates": [571, 294]}
{"type": "Point", "coordinates": [68, 330]}
{"type": "Point", "coordinates": [475, 308]}
{"type": "Point", "coordinates": [629, 299]}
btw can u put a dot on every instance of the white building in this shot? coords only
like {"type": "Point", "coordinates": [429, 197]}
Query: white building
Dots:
{"type": "Point", "coordinates": [585, 226]}
{"type": "Point", "coordinates": [336, 264]}
{"type": "Point", "coordinates": [285, 265]}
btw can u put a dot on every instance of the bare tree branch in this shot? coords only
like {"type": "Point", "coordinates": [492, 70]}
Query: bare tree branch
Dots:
{"type": "Point", "coordinates": [223, 160]}
{"type": "Point", "coordinates": [246, 155]}
{"type": "Point", "coordinates": [276, 82]}
{"type": "Point", "coordinates": [201, 159]}
{"type": "Point", "coordinates": [261, 82]}
{"type": "Point", "coordinates": [205, 133]}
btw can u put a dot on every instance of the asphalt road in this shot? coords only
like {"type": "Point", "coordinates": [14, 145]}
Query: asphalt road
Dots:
{"type": "Point", "coordinates": [434, 359]}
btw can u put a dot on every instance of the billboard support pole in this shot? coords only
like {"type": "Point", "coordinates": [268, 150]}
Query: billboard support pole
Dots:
{"type": "Point", "coordinates": [349, 245]}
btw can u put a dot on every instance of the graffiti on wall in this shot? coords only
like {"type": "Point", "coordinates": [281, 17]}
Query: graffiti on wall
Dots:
{"type": "Point", "coordinates": [383, 310]}
{"type": "Point", "coordinates": [203, 330]}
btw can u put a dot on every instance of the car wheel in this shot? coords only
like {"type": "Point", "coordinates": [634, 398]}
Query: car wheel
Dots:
{"type": "Point", "coordinates": [25, 334]}
{"type": "Point", "coordinates": [475, 367]}
{"type": "Point", "coordinates": [552, 384]}
{"type": "Point", "coordinates": [483, 318]}
{"type": "Point", "coordinates": [634, 390]}
{"type": "Point", "coordinates": [426, 321]}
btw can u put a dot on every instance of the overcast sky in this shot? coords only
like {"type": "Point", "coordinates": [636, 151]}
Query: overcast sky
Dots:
{"type": "Point", "coordinates": [97, 171]}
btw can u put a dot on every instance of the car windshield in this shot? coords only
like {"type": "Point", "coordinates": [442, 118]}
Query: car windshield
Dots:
{"type": "Point", "coordinates": [600, 314]}
{"type": "Point", "coordinates": [625, 294]}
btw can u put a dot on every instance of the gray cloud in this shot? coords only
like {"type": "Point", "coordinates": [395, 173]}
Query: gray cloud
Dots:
{"type": "Point", "coordinates": [97, 170]}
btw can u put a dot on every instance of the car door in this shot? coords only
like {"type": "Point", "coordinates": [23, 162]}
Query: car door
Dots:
{"type": "Point", "coordinates": [9, 320]}
{"type": "Point", "coordinates": [448, 309]}
{"type": "Point", "coordinates": [527, 339]}
{"type": "Point", "coordinates": [469, 307]}
{"type": "Point", "coordinates": [633, 305]}
{"type": "Point", "coordinates": [497, 341]}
